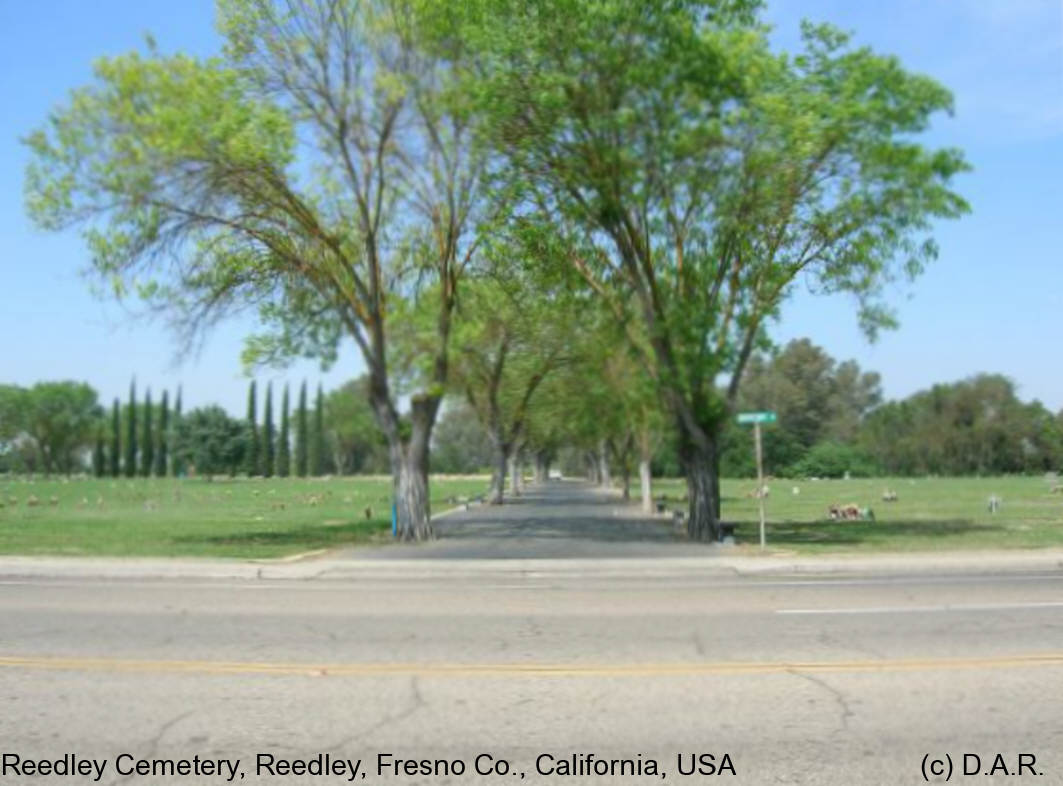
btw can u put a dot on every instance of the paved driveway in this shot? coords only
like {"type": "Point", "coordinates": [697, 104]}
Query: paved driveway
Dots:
{"type": "Point", "coordinates": [558, 519]}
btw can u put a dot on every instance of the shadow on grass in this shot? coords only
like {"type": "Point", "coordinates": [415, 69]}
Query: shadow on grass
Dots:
{"type": "Point", "coordinates": [855, 533]}
{"type": "Point", "coordinates": [680, 500]}
{"type": "Point", "coordinates": [308, 536]}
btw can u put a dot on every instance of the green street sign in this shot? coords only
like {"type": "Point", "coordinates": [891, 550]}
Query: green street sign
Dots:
{"type": "Point", "coordinates": [756, 417]}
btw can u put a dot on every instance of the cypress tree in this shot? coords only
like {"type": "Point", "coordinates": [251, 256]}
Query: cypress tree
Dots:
{"type": "Point", "coordinates": [317, 444]}
{"type": "Point", "coordinates": [177, 465]}
{"type": "Point", "coordinates": [267, 433]}
{"type": "Point", "coordinates": [253, 460]}
{"type": "Point", "coordinates": [147, 453]}
{"type": "Point", "coordinates": [302, 451]}
{"type": "Point", "coordinates": [131, 433]}
{"type": "Point", "coordinates": [284, 450]}
{"type": "Point", "coordinates": [98, 460]}
{"type": "Point", "coordinates": [164, 436]}
{"type": "Point", "coordinates": [116, 440]}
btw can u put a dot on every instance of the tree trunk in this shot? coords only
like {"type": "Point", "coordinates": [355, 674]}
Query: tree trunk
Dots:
{"type": "Point", "coordinates": [604, 478]}
{"type": "Point", "coordinates": [592, 466]}
{"type": "Point", "coordinates": [500, 450]}
{"type": "Point", "coordinates": [498, 476]}
{"type": "Point", "coordinates": [413, 514]}
{"type": "Point", "coordinates": [409, 465]}
{"type": "Point", "coordinates": [645, 442]}
{"type": "Point", "coordinates": [647, 485]}
{"type": "Point", "coordinates": [697, 450]}
{"type": "Point", "coordinates": [514, 475]}
{"type": "Point", "coordinates": [625, 488]}
{"type": "Point", "coordinates": [542, 467]}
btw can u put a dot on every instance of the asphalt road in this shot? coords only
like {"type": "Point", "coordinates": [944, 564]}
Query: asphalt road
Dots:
{"type": "Point", "coordinates": [556, 520]}
{"type": "Point", "coordinates": [805, 680]}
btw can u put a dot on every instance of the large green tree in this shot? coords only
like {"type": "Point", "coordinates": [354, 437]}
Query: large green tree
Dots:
{"type": "Point", "coordinates": [816, 398]}
{"type": "Point", "coordinates": [351, 430]}
{"type": "Point", "coordinates": [61, 419]}
{"type": "Point", "coordinates": [974, 426]}
{"type": "Point", "coordinates": [211, 441]}
{"type": "Point", "coordinates": [704, 175]}
{"type": "Point", "coordinates": [322, 167]}
{"type": "Point", "coordinates": [13, 406]}
{"type": "Point", "coordinates": [460, 444]}
{"type": "Point", "coordinates": [517, 324]}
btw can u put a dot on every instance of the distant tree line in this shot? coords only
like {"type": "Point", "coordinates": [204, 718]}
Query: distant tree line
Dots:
{"type": "Point", "coordinates": [61, 427]}
{"type": "Point", "coordinates": [832, 420]}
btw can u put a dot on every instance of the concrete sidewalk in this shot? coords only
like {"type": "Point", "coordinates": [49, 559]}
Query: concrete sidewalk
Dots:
{"type": "Point", "coordinates": [725, 563]}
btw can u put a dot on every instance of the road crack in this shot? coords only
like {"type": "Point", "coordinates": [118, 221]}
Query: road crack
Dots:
{"type": "Point", "coordinates": [837, 695]}
{"type": "Point", "coordinates": [417, 702]}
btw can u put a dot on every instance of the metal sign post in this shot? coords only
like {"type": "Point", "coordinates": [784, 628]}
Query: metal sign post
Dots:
{"type": "Point", "coordinates": [756, 418]}
{"type": "Point", "coordinates": [760, 481]}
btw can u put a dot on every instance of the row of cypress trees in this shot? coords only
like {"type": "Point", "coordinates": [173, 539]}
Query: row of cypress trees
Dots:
{"type": "Point", "coordinates": [145, 449]}
{"type": "Point", "coordinates": [269, 453]}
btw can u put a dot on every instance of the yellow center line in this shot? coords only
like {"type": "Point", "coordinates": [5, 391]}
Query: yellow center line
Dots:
{"type": "Point", "coordinates": [130, 666]}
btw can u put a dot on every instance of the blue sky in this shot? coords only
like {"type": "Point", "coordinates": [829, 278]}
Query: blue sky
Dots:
{"type": "Point", "coordinates": [992, 302]}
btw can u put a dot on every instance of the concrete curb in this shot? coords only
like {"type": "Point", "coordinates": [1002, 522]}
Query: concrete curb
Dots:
{"type": "Point", "coordinates": [309, 566]}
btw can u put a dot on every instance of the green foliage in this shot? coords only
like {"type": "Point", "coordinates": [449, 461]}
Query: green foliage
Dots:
{"type": "Point", "coordinates": [268, 442]}
{"type": "Point", "coordinates": [211, 442]}
{"type": "Point", "coordinates": [284, 446]}
{"type": "Point", "coordinates": [351, 430]}
{"type": "Point", "coordinates": [13, 406]}
{"type": "Point", "coordinates": [162, 451]}
{"type": "Point", "coordinates": [99, 458]}
{"type": "Point", "coordinates": [833, 460]}
{"type": "Point", "coordinates": [177, 465]}
{"type": "Point", "coordinates": [61, 420]}
{"type": "Point", "coordinates": [147, 452]}
{"type": "Point", "coordinates": [322, 170]}
{"type": "Point", "coordinates": [302, 435]}
{"type": "Point", "coordinates": [12, 423]}
{"type": "Point", "coordinates": [520, 321]}
{"type": "Point", "coordinates": [254, 459]}
{"type": "Point", "coordinates": [116, 440]}
{"type": "Point", "coordinates": [459, 443]}
{"type": "Point", "coordinates": [696, 175]}
{"type": "Point", "coordinates": [317, 440]}
{"type": "Point", "coordinates": [130, 465]}
{"type": "Point", "coordinates": [816, 398]}
{"type": "Point", "coordinates": [342, 168]}
{"type": "Point", "coordinates": [975, 426]}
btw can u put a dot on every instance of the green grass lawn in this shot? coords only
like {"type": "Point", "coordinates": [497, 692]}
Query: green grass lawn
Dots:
{"type": "Point", "coordinates": [195, 517]}
{"type": "Point", "coordinates": [929, 514]}
{"type": "Point", "coordinates": [276, 517]}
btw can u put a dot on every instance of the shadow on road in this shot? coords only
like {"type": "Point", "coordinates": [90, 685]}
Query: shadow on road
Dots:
{"type": "Point", "coordinates": [555, 520]}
